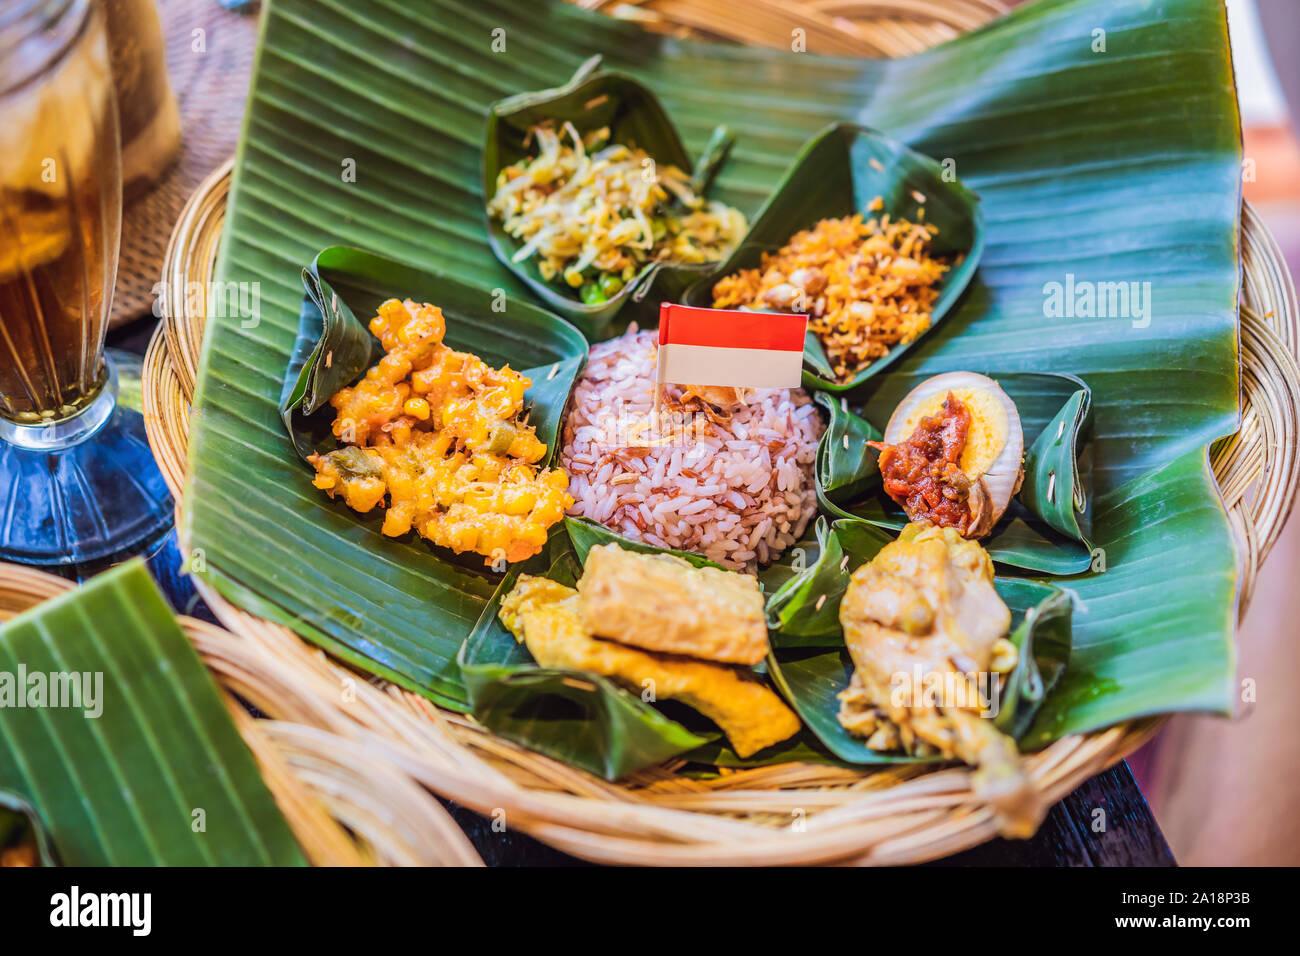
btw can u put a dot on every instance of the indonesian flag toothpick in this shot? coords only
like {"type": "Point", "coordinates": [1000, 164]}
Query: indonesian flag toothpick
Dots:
{"type": "Point", "coordinates": [730, 347]}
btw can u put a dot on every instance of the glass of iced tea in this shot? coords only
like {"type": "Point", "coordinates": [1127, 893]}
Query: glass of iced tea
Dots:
{"type": "Point", "coordinates": [68, 455]}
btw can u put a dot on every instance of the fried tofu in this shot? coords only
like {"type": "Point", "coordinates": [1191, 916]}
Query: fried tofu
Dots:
{"type": "Point", "coordinates": [658, 602]}
{"type": "Point", "coordinates": [548, 618]}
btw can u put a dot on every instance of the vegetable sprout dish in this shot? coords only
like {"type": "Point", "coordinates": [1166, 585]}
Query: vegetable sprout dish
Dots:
{"type": "Point", "coordinates": [594, 214]}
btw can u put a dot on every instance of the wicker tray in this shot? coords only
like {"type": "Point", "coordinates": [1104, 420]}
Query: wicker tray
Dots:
{"type": "Point", "coordinates": [322, 782]}
{"type": "Point", "coordinates": [875, 816]}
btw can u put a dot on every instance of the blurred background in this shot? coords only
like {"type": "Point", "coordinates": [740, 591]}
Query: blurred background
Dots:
{"type": "Point", "coordinates": [1223, 791]}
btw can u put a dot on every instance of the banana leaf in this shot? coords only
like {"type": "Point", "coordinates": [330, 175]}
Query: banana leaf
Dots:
{"type": "Point", "coordinates": [141, 764]}
{"type": "Point", "coordinates": [588, 720]}
{"type": "Point", "coordinates": [792, 562]}
{"type": "Point", "coordinates": [1054, 487]}
{"type": "Point", "coordinates": [365, 128]}
{"type": "Point", "coordinates": [335, 347]}
{"type": "Point", "coordinates": [1042, 638]}
{"type": "Point", "coordinates": [805, 612]}
{"type": "Point", "coordinates": [846, 466]}
{"type": "Point", "coordinates": [1045, 527]}
{"type": "Point", "coordinates": [811, 679]}
{"type": "Point", "coordinates": [591, 99]}
{"type": "Point", "coordinates": [803, 747]}
{"type": "Point", "coordinates": [405, 616]}
{"type": "Point", "coordinates": [585, 534]}
{"type": "Point", "coordinates": [838, 173]}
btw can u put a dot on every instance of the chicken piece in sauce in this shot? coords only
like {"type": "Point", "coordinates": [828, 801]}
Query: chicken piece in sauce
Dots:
{"type": "Point", "coordinates": [923, 614]}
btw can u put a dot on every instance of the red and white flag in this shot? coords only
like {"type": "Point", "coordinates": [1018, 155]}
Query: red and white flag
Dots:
{"type": "Point", "coordinates": [730, 347]}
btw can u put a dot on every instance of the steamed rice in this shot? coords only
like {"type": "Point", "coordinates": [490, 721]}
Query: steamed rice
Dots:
{"type": "Point", "coordinates": [737, 490]}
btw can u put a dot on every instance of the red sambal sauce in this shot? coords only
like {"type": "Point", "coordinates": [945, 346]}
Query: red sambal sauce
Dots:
{"type": "Point", "coordinates": [921, 472]}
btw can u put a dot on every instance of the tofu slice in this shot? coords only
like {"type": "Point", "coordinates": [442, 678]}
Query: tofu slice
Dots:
{"type": "Point", "coordinates": [659, 602]}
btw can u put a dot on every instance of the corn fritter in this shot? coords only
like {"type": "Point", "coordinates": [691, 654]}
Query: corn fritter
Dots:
{"type": "Point", "coordinates": [437, 433]}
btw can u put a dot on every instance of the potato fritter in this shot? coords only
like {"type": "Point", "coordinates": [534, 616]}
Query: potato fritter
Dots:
{"type": "Point", "coordinates": [436, 432]}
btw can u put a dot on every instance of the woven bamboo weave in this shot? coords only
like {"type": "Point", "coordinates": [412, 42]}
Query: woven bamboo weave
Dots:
{"type": "Point", "coordinates": [320, 780]}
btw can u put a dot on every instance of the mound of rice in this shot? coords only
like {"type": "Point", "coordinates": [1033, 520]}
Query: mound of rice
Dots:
{"type": "Point", "coordinates": [738, 489]}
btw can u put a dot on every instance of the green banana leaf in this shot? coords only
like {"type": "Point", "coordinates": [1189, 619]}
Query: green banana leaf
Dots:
{"type": "Point", "coordinates": [811, 679]}
{"type": "Point", "coordinates": [365, 128]}
{"type": "Point", "coordinates": [590, 100]}
{"type": "Point", "coordinates": [583, 719]}
{"type": "Point", "coordinates": [335, 347]}
{"type": "Point", "coordinates": [805, 612]}
{"type": "Point", "coordinates": [406, 616]}
{"type": "Point", "coordinates": [791, 562]}
{"type": "Point", "coordinates": [842, 169]}
{"type": "Point", "coordinates": [1045, 527]}
{"type": "Point", "coordinates": [1042, 636]}
{"type": "Point", "coordinates": [151, 771]}
{"type": "Point", "coordinates": [585, 534]}
{"type": "Point", "coordinates": [846, 466]}
{"type": "Point", "coordinates": [1054, 487]}
{"type": "Point", "coordinates": [803, 747]}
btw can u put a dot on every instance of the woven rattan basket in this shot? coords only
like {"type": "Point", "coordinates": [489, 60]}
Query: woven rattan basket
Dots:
{"type": "Point", "coordinates": [659, 817]}
{"type": "Point", "coordinates": [323, 782]}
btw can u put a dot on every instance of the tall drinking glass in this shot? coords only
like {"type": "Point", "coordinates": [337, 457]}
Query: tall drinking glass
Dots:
{"type": "Point", "coordinates": [77, 481]}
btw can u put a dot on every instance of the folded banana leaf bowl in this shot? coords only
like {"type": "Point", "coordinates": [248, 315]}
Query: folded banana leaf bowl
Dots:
{"type": "Point", "coordinates": [1159, 436]}
{"type": "Point", "coordinates": [593, 99]}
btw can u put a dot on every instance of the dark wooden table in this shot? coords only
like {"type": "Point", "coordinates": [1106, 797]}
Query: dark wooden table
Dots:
{"type": "Point", "coordinates": [1074, 833]}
